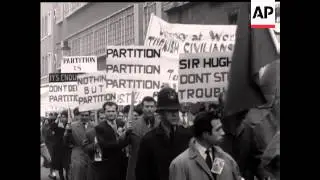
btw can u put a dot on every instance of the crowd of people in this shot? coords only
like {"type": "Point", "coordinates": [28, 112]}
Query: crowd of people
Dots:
{"type": "Point", "coordinates": [166, 140]}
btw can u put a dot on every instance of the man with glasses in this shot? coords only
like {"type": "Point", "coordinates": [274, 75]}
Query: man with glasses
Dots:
{"type": "Point", "coordinates": [74, 136]}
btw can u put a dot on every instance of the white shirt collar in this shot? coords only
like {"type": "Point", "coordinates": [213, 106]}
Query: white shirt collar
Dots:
{"type": "Point", "coordinates": [202, 150]}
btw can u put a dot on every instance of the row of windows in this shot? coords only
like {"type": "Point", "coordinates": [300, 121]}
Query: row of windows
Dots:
{"type": "Point", "coordinates": [66, 9]}
{"type": "Point", "coordinates": [120, 28]}
{"type": "Point", "coordinates": [116, 30]}
{"type": "Point", "coordinates": [44, 65]}
{"type": "Point", "coordinates": [149, 7]}
{"type": "Point", "coordinates": [46, 26]}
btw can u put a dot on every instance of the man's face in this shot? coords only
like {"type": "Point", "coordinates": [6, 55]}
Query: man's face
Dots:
{"type": "Point", "coordinates": [217, 133]}
{"type": "Point", "coordinates": [102, 116]}
{"type": "Point", "coordinates": [172, 117]}
{"type": "Point", "coordinates": [135, 116]}
{"type": "Point", "coordinates": [84, 116]}
{"type": "Point", "coordinates": [92, 116]}
{"type": "Point", "coordinates": [63, 119]}
{"type": "Point", "coordinates": [111, 112]}
{"type": "Point", "coordinates": [149, 107]}
{"type": "Point", "coordinates": [120, 115]}
{"type": "Point", "coordinates": [77, 117]}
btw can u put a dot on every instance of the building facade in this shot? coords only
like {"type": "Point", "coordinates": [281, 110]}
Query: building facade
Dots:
{"type": "Point", "coordinates": [47, 51]}
{"type": "Point", "coordinates": [215, 13]}
{"type": "Point", "coordinates": [88, 28]}
{"type": "Point", "coordinates": [47, 42]}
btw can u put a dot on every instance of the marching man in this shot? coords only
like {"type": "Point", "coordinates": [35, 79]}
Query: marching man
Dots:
{"type": "Point", "coordinates": [204, 159]}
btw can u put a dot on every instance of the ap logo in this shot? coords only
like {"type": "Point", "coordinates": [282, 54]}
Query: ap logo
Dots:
{"type": "Point", "coordinates": [263, 14]}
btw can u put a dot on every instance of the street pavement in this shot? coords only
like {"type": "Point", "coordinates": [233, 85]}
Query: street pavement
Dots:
{"type": "Point", "coordinates": [44, 172]}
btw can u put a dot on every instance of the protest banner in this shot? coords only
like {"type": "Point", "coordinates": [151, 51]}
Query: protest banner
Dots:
{"type": "Point", "coordinates": [128, 68]}
{"type": "Point", "coordinates": [175, 39]}
{"type": "Point", "coordinates": [203, 76]}
{"type": "Point", "coordinates": [79, 64]}
{"type": "Point", "coordinates": [63, 90]}
{"type": "Point", "coordinates": [92, 91]}
{"type": "Point", "coordinates": [139, 68]}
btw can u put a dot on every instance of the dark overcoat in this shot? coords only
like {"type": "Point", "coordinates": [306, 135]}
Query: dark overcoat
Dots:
{"type": "Point", "coordinates": [157, 151]}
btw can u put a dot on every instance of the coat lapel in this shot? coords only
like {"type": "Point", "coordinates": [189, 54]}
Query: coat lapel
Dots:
{"type": "Point", "coordinates": [194, 154]}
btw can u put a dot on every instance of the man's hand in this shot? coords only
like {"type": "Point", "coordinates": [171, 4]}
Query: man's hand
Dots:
{"type": "Point", "coordinates": [120, 131]}
{"type": "Point", "coordinates": [68, 126]}
{"type": "Point", "coordinates": [60, 124]}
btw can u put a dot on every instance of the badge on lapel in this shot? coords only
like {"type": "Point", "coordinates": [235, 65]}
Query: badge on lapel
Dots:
{"type": "Point", "coordinates": [217, 166]}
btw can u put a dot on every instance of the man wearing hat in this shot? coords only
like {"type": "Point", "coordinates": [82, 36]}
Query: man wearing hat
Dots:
{"type": "Point", "coordinates": [162, 144]}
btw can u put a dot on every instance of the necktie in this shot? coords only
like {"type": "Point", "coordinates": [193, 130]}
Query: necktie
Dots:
{"type": "Point", "coordinates": [114, 126]}
{"type": "Point", "coordinates": [208, 159]}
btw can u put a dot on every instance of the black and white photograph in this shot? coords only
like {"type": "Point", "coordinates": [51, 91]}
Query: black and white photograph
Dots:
{"type": "Point", "coordinates": [160, 90]}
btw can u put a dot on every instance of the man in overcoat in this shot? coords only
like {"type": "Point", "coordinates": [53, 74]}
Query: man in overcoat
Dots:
{"type": "Point", "coordinates": [74, 136]}
{"type": "Point", "coordinates": [162, 144]}
{"type": "Point", "coordinates": [112, 144]}
{"type": "Point", "coordinates": [204, 159]}
{"type": "Point", "coordinates": [140, 127]}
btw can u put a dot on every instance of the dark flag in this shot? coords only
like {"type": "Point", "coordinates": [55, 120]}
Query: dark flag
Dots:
{"type": "Point", "coordinates": [254, 48]}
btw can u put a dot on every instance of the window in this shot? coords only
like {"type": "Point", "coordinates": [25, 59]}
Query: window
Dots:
{"type": "Point", "coordinates": [45, 25]}
{"type": "Point", "coordinates": [100, 41]}
{"type": "Point", "coordinates": [70, 8]}
{"type": "Point", "coordinates": [45, 65]}
{"type": "Point", "coordinates": [58, 12]}
{"type": "Point", "coordinates": [42, 65]}
{"type": "Point", "coordinates": [65, 9]}
{"type": "Point", "coordinates": [49, 23]}
{"type": "Point", "coordinates": [233, 16]}
{"type": "Point", "coordinates": [83, 45]}
{"type": "Point", "coordinates": [75, 47]}
{"type": "Point", "coordinates": [149, 7]}
{"type": "Point", "coordinates": [120, 28]}
{"type": "Point", "coordinates": [87, 44]}
{"type": "Point", "coordinates": [50, 67]}
{"type": "Point", "coordinates": [90, 44]}
{"type": "Point", "coordinates": [59, 55]}
{"type": "Point", "coordinates": [42, 27]}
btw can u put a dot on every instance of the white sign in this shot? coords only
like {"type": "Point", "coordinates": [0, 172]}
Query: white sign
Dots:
{"type": "Point", "coordinates": [174, 39]}
{"type": "Point", "coordinates": [263, 14]}
{"type": "Point", "coordinates": [203, 76]}
{"type": "Point", "coordinates": [79, 64]}
{"type": "Point", "coordinates": [63, 90]}
{"type": "Point", "coordinates": [92, 91]}
{"type": "Point", "coordinates": [138, 68]}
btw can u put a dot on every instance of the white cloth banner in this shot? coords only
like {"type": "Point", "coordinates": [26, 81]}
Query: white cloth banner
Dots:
{"type": "Point", "coordinates": [175, 39]}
